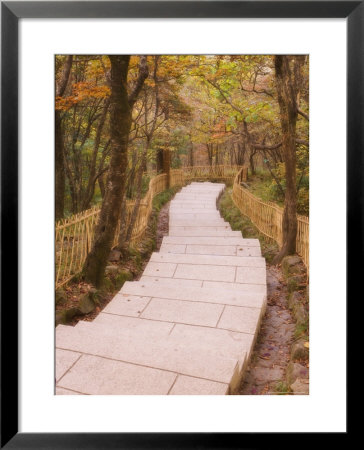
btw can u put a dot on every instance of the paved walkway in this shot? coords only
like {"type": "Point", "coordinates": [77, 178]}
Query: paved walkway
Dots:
{"type": "Point", "coordinates": [188, 326]}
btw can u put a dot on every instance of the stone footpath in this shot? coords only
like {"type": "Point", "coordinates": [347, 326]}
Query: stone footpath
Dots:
{"type": "Point", "coordinates": [187, 327]}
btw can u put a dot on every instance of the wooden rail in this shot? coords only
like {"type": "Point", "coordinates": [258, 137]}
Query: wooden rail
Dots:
{"type": "Point", "coordinates": [268, 217]}
{"type": "Point", "coordinates": [74, 236]}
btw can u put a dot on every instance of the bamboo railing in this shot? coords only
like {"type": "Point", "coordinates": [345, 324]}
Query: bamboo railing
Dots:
{"type": "Point", "coordinates": [74, 236]}
{"type": "Point", "coordinates": [268, 217]}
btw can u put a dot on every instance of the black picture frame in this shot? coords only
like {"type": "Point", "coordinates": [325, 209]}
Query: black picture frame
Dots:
{"type": "Point", "coordinates": [11, 12]}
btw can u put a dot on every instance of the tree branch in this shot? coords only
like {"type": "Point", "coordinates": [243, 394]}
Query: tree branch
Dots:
{"type": "Point", "coordinates": [143, 73]}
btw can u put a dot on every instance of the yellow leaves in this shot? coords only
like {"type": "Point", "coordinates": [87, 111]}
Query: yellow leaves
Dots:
{"type": "Point", "coordinates": [306, 344]}
{"type": "Point", "coordinates": [80, 92]}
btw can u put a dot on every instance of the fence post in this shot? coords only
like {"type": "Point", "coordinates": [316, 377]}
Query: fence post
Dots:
{"type": "Point", "coordinates": [167, 165]}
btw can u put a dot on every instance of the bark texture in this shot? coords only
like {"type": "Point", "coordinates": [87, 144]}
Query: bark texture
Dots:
{"type": "Point", "coordinates": [60, 177]}
{"type": "Point", "coordinates": [287, 94]}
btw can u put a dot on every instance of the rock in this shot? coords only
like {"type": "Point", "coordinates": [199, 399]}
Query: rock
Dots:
{"type": "Point", "coordinates": [295, 298]}
{"type": "Point", "coordinates": [112, 269]}
{"type": "Point", "coordinates": [300, 314]}
{"type": "Point", "coordinates": [115, 255]}
{"type": "Point", "coordinates": [291, 265]}
{"type": "Point", "coordinates": [123, 275]}
{"type": "Point", "coordinates": [300, 387]}
{"type": "Point", "coordinates": [294, 371]}
{"type": "Point", "coordinates": [299, 351]}
{"type": "Point", "coordinates": [60, 317]}
{"type": "Point", "coordinates": [60, 296]}
{"type": "Point", "coordinates": [65, 315]}
{"type": "Point", "coordinates": [86, 303]}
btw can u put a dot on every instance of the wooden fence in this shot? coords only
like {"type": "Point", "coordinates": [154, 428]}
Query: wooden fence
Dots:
{"type": "Point", "coordinates": [268, 217]}
{"type": "Point", "coordinates": [74, 236]}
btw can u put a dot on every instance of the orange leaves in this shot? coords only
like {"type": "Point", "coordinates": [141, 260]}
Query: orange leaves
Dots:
{"type": "Point", "coordinates": [82, 91]}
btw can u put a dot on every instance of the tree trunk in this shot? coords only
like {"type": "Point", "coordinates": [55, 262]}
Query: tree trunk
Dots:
{"type": "Point", "coordinates": [60, 177]}
{"type": "Point", "coordinates": [251, 161]}
{"type": "Point", "coordinates": [159, 160]}
{"type": "Point", "coordinates": [135, 211]}
{"type": "Point", "coordinates": [120, 123]}
{"type": "Point", "coordinates": [90, 189]}
{"type": "Point", "coordinates": [288, 112]}
{"type": "Point", "coordinates": [167, 165]}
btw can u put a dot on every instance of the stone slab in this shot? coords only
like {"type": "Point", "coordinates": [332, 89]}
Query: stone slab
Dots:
{"type": "Point", "coordinates": [198, 223]}
{"type": "Point", "coordinates": [99, 376]}
{"type": "Point", "coordinates": [62, 391]}
{"type": "Point", "coordinates": [241, 319]}
{"type": "Point", "coordinates": [126, 305]}
{"type": "Point", "coordinates": [216, 260]}
{"type": "Point", "coordinates": [64, 360]}
{"type": "Point", "coordinates": [197, 386]}
{"type": "Point", "coordinates": [215, 341]}
{"type": "Point", "coordinates": [154, 269]}
{"type": "Point", "coordinates": [196, 249]}
{"type": "Point", "coordinates": [222, 296]}
{"type": "Point", "coordinates": [179, 311]}
{"type": "Point", "coordinates": [172, 282]}
{"type": "Point", "coordinates": [184, 356]}
{"type": "Point", "coordinates": [252, 275]}
{"type": "Point", "coordinates": [204, 272]}
{"type": "Point", "coordinates": [172, 248]}
{"type": "Point", "coordinates": [237, 241]}
{"type": "Point", "coordinates": [127, 326]}
{"type": "Point", "coordinates": [238, 287]}
{"type": "Point", "coordinates": [209, 231]}
{"type": "Point", "coordinates": [248, 251]}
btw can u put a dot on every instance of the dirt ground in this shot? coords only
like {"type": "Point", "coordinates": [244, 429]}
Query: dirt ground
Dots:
{"type": "Point", "coordinates": [272, 350]}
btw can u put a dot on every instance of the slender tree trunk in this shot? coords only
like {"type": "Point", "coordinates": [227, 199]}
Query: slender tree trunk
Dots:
{"type": "Point", "coordinates": [167, 166]}
{"type": "Point", "coordinates": [90, 189]}
{"type": "Point", "coordinates": [60, 177]}
{"type": "Point", "coordinates": [120, 123]}
{"type": "Point", "coordinates": [135, 211]}
{"type": "Point", "coordinates": [288, 112]}
{"type": "Point", "coordinates": [251, 161]}
{"type": "Point", "coordinates": [159, 160]}
{"type": "Point", "coordinates": [191, 155]}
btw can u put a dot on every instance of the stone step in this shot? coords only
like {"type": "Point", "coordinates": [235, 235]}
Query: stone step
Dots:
{"type": "Point", "coordinates": [182, 354]}
{"type": "Point", "coordinates": [212, 341]}
{"type": "Point", "coordinates": [197, 386]}
{"type": "Point", "coordinates": [233, 318]}
{"type": "Point", "coordinates": [217, 260]}
{"type": "Point", "coordinates": [64, 360]}
{"type": "Point", "coordinates": [175, 311]}
{"type": "Point", "coordinates": [198, 223]}
{"type": "Point", "coordinates": [131, 305]}
{"type": "Point", "coordinates": [93, 375]}
{"type": "Point", "coordinates": [202, 231]}
{"type": "Point", "coordinates": [226, 240]}
{"type": "Point", "coordinates": [238, 287]}
{"type": "Point", "coordinates": [163, 288]}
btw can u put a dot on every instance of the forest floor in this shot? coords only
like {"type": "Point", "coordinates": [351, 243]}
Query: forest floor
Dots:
{"type": "Point", "coordinates": [272, 351]}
